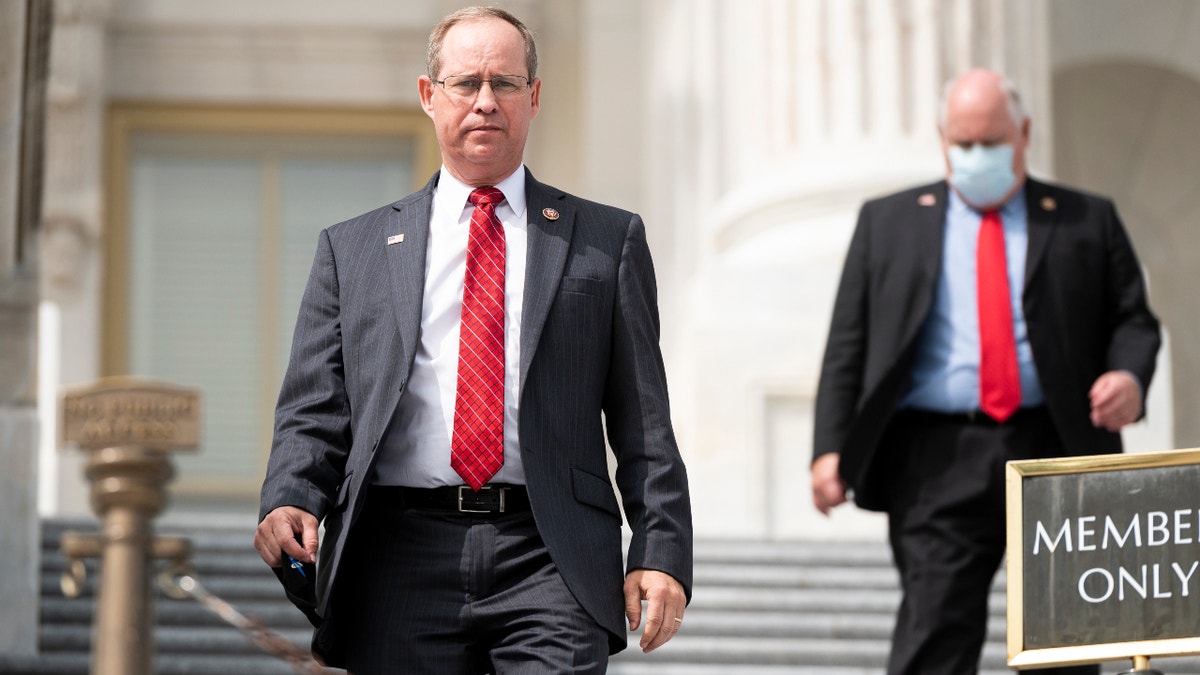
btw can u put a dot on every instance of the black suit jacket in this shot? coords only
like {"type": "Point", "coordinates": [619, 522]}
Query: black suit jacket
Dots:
{"type": "Point", "coordinates": [589, 346]}
{"type": "Point", "coordinates": [1084, 302]}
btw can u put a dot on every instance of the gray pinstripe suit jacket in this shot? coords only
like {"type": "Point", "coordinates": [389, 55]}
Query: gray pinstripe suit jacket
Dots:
{"type": "Point", "coordinates": [589, 346]}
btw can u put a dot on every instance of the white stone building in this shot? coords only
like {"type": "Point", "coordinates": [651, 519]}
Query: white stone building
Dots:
{"type": "Point", "coordinates": [194, 148]}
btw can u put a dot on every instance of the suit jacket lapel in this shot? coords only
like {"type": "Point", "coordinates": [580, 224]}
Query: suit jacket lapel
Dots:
{"type": "Point", "coordinates": [1040, 209]}
{"type": "Point", "coordinates": [928, 241]}
{"type": "Point", "coordinates": [408, 237]}
{"type": "Point", "coordinates": [551, 221]}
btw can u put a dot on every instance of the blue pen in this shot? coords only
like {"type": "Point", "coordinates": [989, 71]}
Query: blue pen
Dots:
{"type": "Point", "coordinates": [297, 565]}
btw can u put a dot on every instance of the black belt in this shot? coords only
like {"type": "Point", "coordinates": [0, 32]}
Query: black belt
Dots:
{"type": "Point", "coordinates": [493, 499]}
{"type": "Point", "coordinates": [973, 417]}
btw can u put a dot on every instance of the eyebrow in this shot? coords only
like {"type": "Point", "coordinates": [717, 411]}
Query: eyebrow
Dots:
{"type": "Point", "coordinates": [988, 140]}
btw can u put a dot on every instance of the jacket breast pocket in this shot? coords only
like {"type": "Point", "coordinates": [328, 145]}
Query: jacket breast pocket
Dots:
{"type": "Point", "coordinates": [583, 285]}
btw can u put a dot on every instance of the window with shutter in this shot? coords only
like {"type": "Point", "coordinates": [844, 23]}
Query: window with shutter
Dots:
{"type": "Point", "coordinates": [216, 232]}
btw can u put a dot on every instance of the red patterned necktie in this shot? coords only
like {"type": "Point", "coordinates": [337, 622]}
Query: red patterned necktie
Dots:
{"type": "Point", "coordinates": [477, 446]}
{"type": "Point", "coordinates": [999, 381]}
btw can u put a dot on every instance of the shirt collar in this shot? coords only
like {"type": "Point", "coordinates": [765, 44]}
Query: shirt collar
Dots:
{"type": "Point", "coordinates": [451, 193]}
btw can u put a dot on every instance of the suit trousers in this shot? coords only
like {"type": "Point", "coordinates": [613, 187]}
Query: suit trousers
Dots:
{"type": "Point", "coordinates": [946, 524]}
{"type": "Point", "coordinates": [448, 593]}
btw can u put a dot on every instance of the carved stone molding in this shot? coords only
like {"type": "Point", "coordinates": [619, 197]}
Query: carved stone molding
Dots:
{"type": "Point", "coordinates": [68, 246]}
{"type": "Point", "coordinates": [340, 65]}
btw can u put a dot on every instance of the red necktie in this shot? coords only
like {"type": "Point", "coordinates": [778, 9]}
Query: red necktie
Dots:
{"type": "Point", "coordinates": [477, 446]}
{"type": "Point", "coordinates": [999, 381]}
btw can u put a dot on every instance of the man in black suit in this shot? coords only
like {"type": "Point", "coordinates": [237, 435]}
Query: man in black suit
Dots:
{"type": "Point", "coordinates": [459, 359]}
{"type": "Point", "coordinates": [938, 371]}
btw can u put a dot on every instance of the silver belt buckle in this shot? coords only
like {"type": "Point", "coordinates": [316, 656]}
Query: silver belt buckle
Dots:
{"type": "Point", "coordinates": [461, 492]}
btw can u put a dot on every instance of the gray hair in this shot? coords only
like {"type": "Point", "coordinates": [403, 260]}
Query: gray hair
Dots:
{"type": "Point", "coordinates": [433, 57]}
{"type": "Point", "coordinates": [1016, 108]}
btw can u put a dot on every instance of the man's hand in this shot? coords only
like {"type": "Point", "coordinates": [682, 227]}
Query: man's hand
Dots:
{"type": "Point", "coordinates": [829, 490]}
{"type": "Point", "coordinates": [665, 602]}
{"type": "Point", "coordinates": [277, 534]}
{"type": "Point", "coordinates": [1116, 400]}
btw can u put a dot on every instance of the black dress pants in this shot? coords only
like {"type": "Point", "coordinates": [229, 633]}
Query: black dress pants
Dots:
{"type": "Point", "coordinates": [946, 525]}
{"type": "Point", "coordinates": [423, 591]}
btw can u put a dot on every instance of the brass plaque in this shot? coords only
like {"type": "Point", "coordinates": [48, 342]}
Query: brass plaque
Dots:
{"type": "Point", "coordinates": [1103, 558]}
{"type": "Point", "coordinates": [124, 411]}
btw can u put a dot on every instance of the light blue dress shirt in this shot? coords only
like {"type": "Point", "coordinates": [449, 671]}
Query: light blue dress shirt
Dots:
{"type": "Point", "coordinates": [945, 377]}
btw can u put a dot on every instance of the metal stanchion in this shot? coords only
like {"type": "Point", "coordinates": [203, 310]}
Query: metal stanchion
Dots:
{"type": "Point", "coordinates": [1141, 666]}
{"type": "Point", "coordinates": [128, 427]}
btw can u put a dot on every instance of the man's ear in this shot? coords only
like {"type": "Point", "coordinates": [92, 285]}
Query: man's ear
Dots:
{"type": "Point", "coordinates": [536, 101]}
{"type": "Point", "coordinates": [425, 90]}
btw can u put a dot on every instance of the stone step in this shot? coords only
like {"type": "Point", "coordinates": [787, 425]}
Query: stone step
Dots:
{"type": "Point", "coordinates": [710, 656]}
{"type": "Point", "coordinates": [811, 600]}
{"type": "Point", "coordinates": [45, 664]}
{"type": "Point", "coordinates": [773, 625]}
{"type": "Point", "coordinates": [172, 640]}
{"type": "Point", "coordinates": [759, 608]}
{"type": "Point", "coordinates": [761, 651]}
{"type": "Point", "coordinates": [620, 667]}
{"type": "Point", "coordinates": [205, 664]}
{"type": "Point", "coordinates": [744, 651]}
{"type": "Point", "coordinates": [843, 554]}
{"type": "Point", "coordinates": [259, 585]}
{"type": "Point", "coordinates": [275, 613]}
{"type": "Point", "coordinates": [792, 576]}
{"type": "Point", "coordinates": [231, 570]}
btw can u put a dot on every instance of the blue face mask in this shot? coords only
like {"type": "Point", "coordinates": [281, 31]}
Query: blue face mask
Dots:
{"type": "Point", "coordinates": [982, 175]}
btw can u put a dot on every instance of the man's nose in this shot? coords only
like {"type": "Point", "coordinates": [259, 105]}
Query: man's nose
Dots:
{"type": "Point", "coordinates": [485, 99]}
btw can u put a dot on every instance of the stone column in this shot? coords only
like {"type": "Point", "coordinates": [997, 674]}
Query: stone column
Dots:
{"type": "Point", "coordinates": [71, 273]}
{"type": "Point", "coordinates": [24, 38]}
{"type": "Point", "coordinates": [770, 122]}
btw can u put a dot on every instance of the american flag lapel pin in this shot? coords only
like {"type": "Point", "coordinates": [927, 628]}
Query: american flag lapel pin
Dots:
{"type": "Point", "coordinates": [927, 199]}
{"type": "Point", "coordinates": [395, 239]}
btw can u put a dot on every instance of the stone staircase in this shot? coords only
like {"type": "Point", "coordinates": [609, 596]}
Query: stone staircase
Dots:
{"type": "Point", "coordinates": [759, 608]}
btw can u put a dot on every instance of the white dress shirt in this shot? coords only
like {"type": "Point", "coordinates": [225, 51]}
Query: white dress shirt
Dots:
{"type": "Point", "coordinates": [416, 450]}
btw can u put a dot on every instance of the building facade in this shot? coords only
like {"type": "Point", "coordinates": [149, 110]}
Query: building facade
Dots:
{"type": "Point", "coordinates": [194, 149]}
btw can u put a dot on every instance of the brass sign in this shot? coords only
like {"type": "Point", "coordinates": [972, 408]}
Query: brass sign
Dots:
{"type": "Point", "coordinates": [1103, 558]}
{"type": "Point", "coordinates": [125, 411]}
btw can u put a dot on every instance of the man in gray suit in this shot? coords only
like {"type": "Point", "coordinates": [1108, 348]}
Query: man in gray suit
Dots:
{"type": "Point", "coordinates": [455, 448]}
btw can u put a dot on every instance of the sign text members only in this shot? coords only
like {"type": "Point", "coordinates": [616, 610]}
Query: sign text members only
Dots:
{"type": "Point", "coordinates": [1112, 556]}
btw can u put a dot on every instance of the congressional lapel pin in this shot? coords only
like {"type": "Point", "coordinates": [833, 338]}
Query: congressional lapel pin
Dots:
{"type": "Point", "coordinates": [1049, 204]}
{"type": "Point", "coordinates": [927, 199]}
{"type": "Point", "coordinates": [549, 213]}
{"type": "Point", "coordinates": [395, 239]}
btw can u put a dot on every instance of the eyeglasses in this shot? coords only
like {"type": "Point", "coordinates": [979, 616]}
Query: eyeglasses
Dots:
{"type": "Point", "coordinates": [466, 87]}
